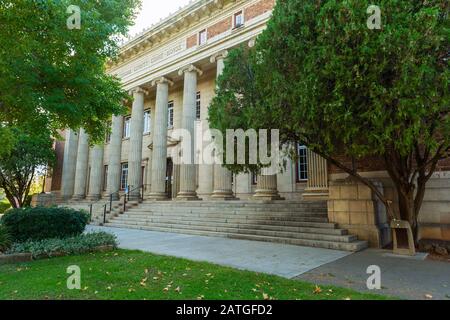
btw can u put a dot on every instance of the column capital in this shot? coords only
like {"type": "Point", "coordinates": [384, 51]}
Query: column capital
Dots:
{"type": "Point", "coordinates": [138, 90]}
{"type": "Point", "coordinates": [219, 55]}
{"type": "Point", "coordinates": [162, 80]}
{"type": "Point", "coordinates": [190, 68]}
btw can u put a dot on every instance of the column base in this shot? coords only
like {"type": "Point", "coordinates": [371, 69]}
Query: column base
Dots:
{"type": "Point", "coordinates": [315, 194]}
{"type": "Point", "coordinates": [78, 197]}
{"type": "Point", "coordinates": [265, 195]}
{"type": "Point", "coordinates": [158, 197]}
{"type": "Point", "coordinates": [223, 195]}
{"type": "Point", "coordinates": [94, 197]}
{"type": "Point", "coordinates": [187, 196]}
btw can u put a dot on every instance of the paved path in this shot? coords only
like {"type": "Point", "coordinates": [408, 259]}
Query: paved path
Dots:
{"type": "Point", "coordinates": [407, 278]}
{"type": "Point", "coordinates": [283, 260]}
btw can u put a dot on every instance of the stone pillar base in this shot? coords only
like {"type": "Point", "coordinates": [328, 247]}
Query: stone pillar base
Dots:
{"type": "Point", "coordinates": [78, 197]}
{"type": "Point", "coordinates": [94, 197]}
{"type": "Point", "coordinates": [223, 195]}
{"type": "Point", "coordinates": [315, 195]}
{"type": "Point", "coordinates": [187, 196]}
{"type": "Point", "coordinates": [158, 197]}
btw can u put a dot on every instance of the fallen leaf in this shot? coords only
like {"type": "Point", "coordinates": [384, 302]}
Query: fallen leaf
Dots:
{"type": "Point", "coordinates": [265, 296]}
{"type": "Point", "coordinates": [166, 289]}
{"type": "Point", "coordinates": [177, 289]}
{"type": "Point", "coordinates": [428, 296]}
{"type": "Point", "coordinates": [317, 290]}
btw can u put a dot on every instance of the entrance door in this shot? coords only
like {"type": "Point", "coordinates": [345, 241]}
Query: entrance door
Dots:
{"type": "Point", "coordinates": [169, 177]}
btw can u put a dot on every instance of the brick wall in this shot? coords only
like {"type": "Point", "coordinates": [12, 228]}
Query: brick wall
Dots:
{"type": "Point", "coordinates": [219, 27]}
{"type": "Point", "coordinates": [258, 9]}
{"type": "Point", "coordinates": [191, 41]}
{"type": "Point", "coordinates": [376, 164]}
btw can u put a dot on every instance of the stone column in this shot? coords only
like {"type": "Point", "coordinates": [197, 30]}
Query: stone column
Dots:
{"type": "Point", "coordinates": [222, 176]}
{"type": "Point", "coordinates": [136, 137]}
{"type": "Point", "coordinates": [95, 179]}
{"type": "Point", "coordinates": [159, 155]}
{"type": "Point", "coordinates": [82, 166]}
{"type": "Point", "coordinates": [115, 149]}
{"type": "Point", "coordinates": [267, 186]}
{"type": "Point", "coordinates": [69, 164]}
{"type": "Point", "coordinates": [187, 170]}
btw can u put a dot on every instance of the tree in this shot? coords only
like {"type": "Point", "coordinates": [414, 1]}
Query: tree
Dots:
{"type": "Point", "coordinates": [324, 79]}
{"type": "Point", "coordinates": [53, 74]}
{"type": "Point", "coordinates": [32, 152]}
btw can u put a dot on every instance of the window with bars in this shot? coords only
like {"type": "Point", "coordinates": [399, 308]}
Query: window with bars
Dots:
{"type": "Point", "coordinates": [126, 127]}
{"type": "Point", "coordinates": [238, 19]}
{"type": "Point", "coordinates": [147, 121]}
{"type": "Point", "coordinates": [198, 106]}
{"type": "Point", "coordinates": [202, 37]}
{"type": "Point", "coordinates": [302, 163]}
{"type": "Point", "coordinates": [170, 115]}
{"type": "Point", "coordinates": [124, 176]}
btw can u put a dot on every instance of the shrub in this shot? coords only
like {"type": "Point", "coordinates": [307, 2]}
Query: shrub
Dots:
{"type": "Point", "coordinates": [5, 239]}
{"type": "Point", "coordinates": [69, 246]}
{"type": "Point", "coordinates": [44, 223]}
{"type": "Point", "coordinates": [4, 206]}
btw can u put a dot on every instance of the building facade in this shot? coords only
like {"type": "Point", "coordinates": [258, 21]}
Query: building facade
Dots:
{"type": "Point", "coordinates": [171, 71]}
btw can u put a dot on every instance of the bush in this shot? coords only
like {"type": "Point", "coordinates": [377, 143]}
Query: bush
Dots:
{"type": "Point", "coordinates": [44, 223]}
{"type": "Point", "coordinates": [4, 206]}
{"type": "Point", "coordinates": [5, 239]}
{"type": "Point", "coordinates": [69, 246]}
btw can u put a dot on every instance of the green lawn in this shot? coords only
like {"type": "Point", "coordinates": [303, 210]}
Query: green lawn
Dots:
{"type": "Point", "coordinates": [124, 274]}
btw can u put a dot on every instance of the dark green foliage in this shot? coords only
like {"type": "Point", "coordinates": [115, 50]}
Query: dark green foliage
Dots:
{"type": "Point", "coordinates": [44, 223]}
{"type": "Point", "coordinates": [5, 238]}
{"type": "Point", "coordinates": [324, 79]}
{"type": "Point", "coordinates": [4, 206]}
{"type": "Point", "coordinates": [55, 75]}
{"type": "Point", "coordinates": [68, 246]}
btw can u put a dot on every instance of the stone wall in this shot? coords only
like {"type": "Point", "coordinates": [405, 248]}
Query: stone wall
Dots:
{"type": "Point", "coordinates": [353, 206]}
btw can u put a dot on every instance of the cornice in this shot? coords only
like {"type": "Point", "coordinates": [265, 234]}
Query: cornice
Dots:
{"type": "Point", "coordinates": [182, 20]}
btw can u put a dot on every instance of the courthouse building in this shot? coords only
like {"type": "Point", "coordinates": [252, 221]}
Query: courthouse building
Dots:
{"type": "Point", "coordinates": [170, 70]}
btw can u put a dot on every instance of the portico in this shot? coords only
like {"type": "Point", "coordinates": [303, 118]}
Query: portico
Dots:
{"type": "Point", "coordinates": [171, 74]}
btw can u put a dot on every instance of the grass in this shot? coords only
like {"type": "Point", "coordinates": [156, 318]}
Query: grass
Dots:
{"type": "Point", "coordinates": [124, 274]}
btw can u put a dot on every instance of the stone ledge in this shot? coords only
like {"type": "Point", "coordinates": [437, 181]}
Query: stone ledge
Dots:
{"type": "Point", "coordinates": [14, 258]}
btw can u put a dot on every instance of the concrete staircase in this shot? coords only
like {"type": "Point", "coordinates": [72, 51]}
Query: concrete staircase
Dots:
{"type": "Point", "coordinates": [292, 222]}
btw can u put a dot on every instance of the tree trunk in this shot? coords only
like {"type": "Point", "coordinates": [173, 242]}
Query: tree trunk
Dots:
{"type": "Point", "coordinates": [407, 207]}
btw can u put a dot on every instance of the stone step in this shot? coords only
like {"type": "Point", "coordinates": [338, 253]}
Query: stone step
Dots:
{"type": "Point", "coordinates": [237, 205]}
{"type": "Point", "coordinates": [235, 220]}
{"type": "Point", "coordinates": [187, 216]}
{"type": "Point", "coordinates": [226, 210]}
{"type": "Point", "coordinates": [241, 225]}
{"type": "Point", "coordinates": [229, 229]}
{"type": "Point", "coordinates": [346, 246]}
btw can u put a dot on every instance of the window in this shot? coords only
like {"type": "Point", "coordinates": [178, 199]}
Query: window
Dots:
{"type": "Point", "coordinates": [198, 106]}
{"type": "Point", "coordinates": [238, 19]}
{"type": "Point", "coordinates": [302, 163]}
{"type": "Point", "coordinates": [170, 115]}
{"type": "Point", "coordinates": [108, 132]}
{"type": "Point", "coordinates": [105, 178]}
{"type": "Point", "coordinates": [147, 121]}
{"type": "Point", "coordinates": [126, 127]}
{"type": "Point", "coordinates": [202, 37]}
{"type": "Point", "coordinates": [124, 176]}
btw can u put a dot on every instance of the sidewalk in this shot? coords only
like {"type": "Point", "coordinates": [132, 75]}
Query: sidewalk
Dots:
{"type": "Point", "coordinates": [283, 260]}
{"type": "Point", "coordinates": [407, 278]}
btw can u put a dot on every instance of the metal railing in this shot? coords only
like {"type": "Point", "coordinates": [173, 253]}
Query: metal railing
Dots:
{"type": "Point", "coordinates": [126, 198]}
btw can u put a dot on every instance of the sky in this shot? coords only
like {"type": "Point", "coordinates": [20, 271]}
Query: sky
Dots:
{"type": "Point", "coordinates": [152, 11]}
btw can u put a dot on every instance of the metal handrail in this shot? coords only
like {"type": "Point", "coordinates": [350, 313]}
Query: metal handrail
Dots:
{"type": "Point", "coordinates": [126, 197]}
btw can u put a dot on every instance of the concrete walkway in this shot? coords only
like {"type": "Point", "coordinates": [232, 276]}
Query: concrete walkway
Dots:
{"type": "Point", "coordinates": [283, 260]}
{"type": "Point", "coordinates": [408, 278]}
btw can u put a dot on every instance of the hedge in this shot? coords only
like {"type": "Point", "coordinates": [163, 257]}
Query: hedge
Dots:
{"type": "Point", "coordinates": [55, 247]}
{"type": "Point", "coordinates": [44, 223]}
